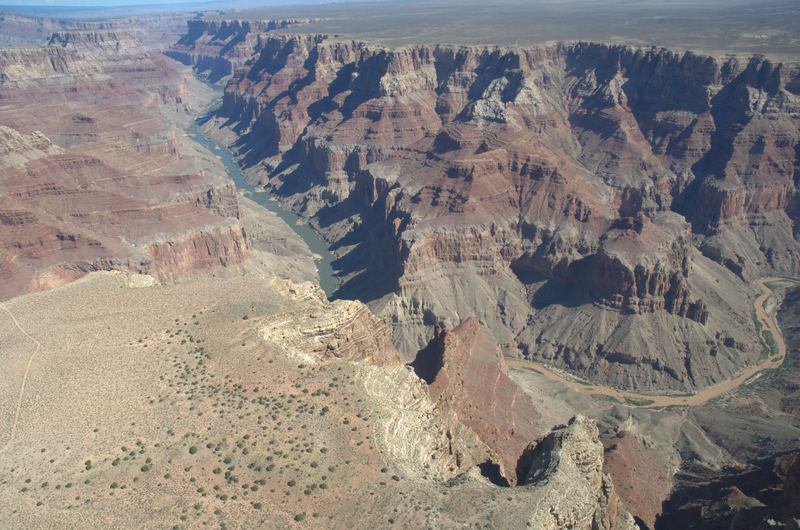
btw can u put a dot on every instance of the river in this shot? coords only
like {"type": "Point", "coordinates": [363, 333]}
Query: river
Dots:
{"type": "Point", "coordinates": [323, 257]}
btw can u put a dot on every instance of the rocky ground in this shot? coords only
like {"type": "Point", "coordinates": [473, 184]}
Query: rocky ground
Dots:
{"type": "Point", "coordinates": [187, 405]}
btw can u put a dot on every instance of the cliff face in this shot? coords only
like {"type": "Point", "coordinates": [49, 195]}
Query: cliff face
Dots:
{"type": "Point", "coordinates": [455, 412]}
{"type": "Point", "coordinates": [156, 31]}
{"type": "Point", "coordinates": [568, 461]}
{"type": "Point", "coordinates": [217, 47]}
{"type": "Point", "coordinates": [576, 181]}
{"type": "Point", "coordinates": [103, 42]}
{"type": "Point", "coordinates": [95, 172]}
{"type": "Point", "coordinates": [466, 374]}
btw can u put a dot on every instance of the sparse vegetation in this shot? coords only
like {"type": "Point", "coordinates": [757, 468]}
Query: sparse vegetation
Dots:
{"type": "Point", "coordinates": [255, 445]}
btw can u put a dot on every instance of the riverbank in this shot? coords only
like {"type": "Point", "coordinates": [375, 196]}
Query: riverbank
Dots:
{"type": "Point", "coordinates": [323, 258]}
{"type": "Point", "coordinates": [767, 327]}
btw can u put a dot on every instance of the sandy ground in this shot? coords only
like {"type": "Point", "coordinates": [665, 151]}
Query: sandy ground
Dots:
{"type": "Point", "coordinates": [162, 406]}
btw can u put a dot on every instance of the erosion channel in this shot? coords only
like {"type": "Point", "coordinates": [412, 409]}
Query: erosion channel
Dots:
{"type": "Point", "coordinates": [323, 258]}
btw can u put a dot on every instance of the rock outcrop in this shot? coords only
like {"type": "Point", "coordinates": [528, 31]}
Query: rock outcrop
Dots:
{"type": "Point", "coordinates": [594, 182]}
{"type": "Point", "coordinates": [466, 374]}
{"type": "Point", "coordinates": [417, 435]}
{"type": "Point", "coordinates": [315, 330]}
{"type": "Point", "coordinates": [568, 467]}
{"type": "Point", "coordinates": [454, 410]}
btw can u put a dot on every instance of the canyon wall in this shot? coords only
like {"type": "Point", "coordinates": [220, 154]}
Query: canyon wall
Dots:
{"type": "Point", "coordinates": [96, 171]}
{"type": "Point", "coordinates": [156, 31]}
{"type": "Point", "coordinates": [601, 208]}
{"type": "Point", "coordinates": [457, 411]}
{"type": "Point", "coordinates": [216, 47]}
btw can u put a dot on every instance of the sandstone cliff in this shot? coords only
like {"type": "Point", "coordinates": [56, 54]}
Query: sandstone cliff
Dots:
{"type": "Point", "coordinates": [95, 172]}
{"type": "Point", "coordinates": [216, 47]}
{"type": "Point", "coordinates": [605, 187]}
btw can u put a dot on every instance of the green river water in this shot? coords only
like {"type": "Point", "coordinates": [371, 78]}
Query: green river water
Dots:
{"type": "Point", "coordinates": [324, 259]}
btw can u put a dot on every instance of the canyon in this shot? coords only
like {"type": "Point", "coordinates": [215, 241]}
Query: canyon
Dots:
{"type": "Point", "coordinates": [566, 271]}
{"type": "Point", "coordinates": [98, 173]}
{"type": "Point", "coordinates": [106, 203]}
{"type": "Point", "coordinates": [599, 208]}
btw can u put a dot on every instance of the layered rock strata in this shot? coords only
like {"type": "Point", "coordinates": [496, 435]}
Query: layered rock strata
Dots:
{"type": "Point", "coordinates": [600, 186]}
{"type": "Point", "coordinates": [440, 425]}
{"type": "Point", "coordinates": [313, 329]}
{"type": "Point", "coordinates": [156, 31]}
{"type": "Point", "coordinates": [216, 47]}
{"type": "Point", "coordinates": [96, 173]}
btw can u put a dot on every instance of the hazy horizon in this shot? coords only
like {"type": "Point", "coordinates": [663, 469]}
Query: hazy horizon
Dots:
{"type": "Point", "coordinates": [709, 26]}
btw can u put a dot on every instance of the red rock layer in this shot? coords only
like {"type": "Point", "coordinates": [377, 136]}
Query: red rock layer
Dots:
{"type": "Point", "coordinates": [591, 173]}
{"type": "Point", "coordinates": [536, 142]}
{"type": "Point", "coordinates": [466, 373]}
{"type": "Point", "coordinates": [641, 480]}
{"type": "Point", "coordinates": [93, 176]}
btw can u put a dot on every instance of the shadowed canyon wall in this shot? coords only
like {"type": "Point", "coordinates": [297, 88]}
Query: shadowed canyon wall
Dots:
{"type": "Point", "coordinates": [601, 208]}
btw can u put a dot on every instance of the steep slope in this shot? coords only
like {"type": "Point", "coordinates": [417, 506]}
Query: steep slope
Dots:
{"type": "Point", "coordinates": [567, 465]}
{"type": "Point", "coordinates": [598, 207]}
{"type": "Point", "coordinates": [764, 497]}
{"type": "Point", "coordinates": [96, 173]}
{"type": "Point", "coordinates": [641, 477]}
{"type": "Point", "coordinates": [466, 374]}
{"type": "Point", "coordinates": [216, 47]}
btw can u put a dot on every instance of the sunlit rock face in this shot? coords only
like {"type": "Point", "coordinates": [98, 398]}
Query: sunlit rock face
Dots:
{"type": "Point", "coordinates": [598, 207]}
{"type": "Point", "coordinates": [96, 171]}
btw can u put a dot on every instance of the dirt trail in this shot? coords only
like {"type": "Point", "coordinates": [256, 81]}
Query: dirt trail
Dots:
{"type": "Point", "coordinates": [654, 400]}
{"type": "Point", "coordinates": [24, 380]}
